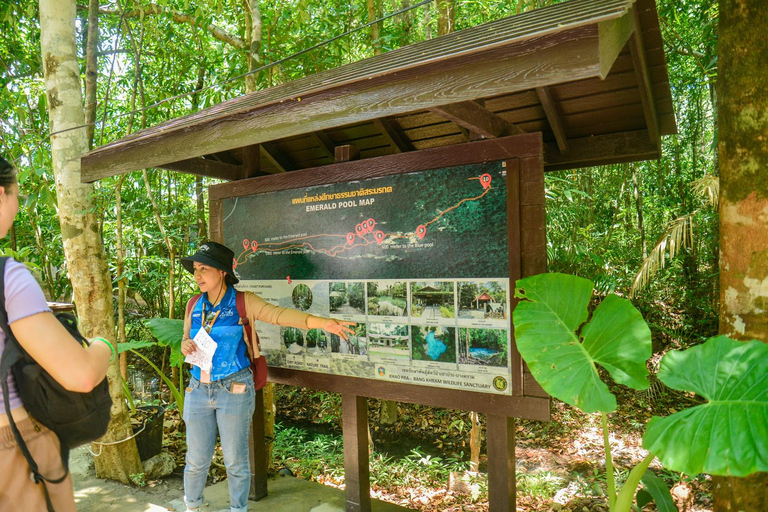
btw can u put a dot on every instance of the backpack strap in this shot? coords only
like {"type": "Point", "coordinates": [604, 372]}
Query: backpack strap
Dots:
{"type": "Point", "coordinates": [243, 314]}
{"type": "Point", "coordinates": [192, 302]}
{"type": "Point", "coordinates": [13, 352]}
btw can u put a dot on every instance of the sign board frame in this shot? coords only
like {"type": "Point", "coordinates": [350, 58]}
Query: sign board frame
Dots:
{"type": "Point", "coordinates": [522, 156]}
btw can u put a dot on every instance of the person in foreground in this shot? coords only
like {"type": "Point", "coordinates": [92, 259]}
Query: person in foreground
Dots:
{"type": "Point", "coordinates": [46, 340]}
{"type": "Point", "coordinates": [224, 399]}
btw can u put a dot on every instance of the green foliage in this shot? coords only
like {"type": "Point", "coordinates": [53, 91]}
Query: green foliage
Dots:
{"type": "Point", "coordinates": [563, 356]}
{"type": "Point", "coordinates": [138, 479]}
{"type": "Point", "coordinates": [169, 332]}
{"type": "Point", "coordinates": [657, 491]}
{"type": "Point", "coordinates": [727, 435]}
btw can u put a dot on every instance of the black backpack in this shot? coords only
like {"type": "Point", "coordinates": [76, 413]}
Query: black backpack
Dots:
{"type": "Point", "coordinates": [76, 418]}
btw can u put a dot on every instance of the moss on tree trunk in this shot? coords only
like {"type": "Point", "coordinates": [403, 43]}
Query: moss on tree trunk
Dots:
{"type": "Point", "coordinates": [743, 153]}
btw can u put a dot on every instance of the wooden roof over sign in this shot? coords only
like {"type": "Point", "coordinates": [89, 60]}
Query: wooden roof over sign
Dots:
{"type": "Point", "coordinates": [590, 75]}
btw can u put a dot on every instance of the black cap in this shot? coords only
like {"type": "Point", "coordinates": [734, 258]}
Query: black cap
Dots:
{"type": "Point", "coordinates": [214, 255]}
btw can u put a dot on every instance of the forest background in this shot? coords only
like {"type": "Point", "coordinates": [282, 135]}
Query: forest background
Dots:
{"type": "Point", "coordinates": [617, 225]}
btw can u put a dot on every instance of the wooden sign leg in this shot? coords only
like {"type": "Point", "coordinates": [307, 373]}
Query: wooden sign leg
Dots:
{"type": "Point", "coordinates": [501, 464]}
{"type": "Point", "coordinates": [356, 464]}
{"type": "Point", "coordinates": [257, 451]}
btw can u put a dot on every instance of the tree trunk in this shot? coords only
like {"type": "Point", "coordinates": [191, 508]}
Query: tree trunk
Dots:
{"type": "Point", "coordinates": [202, 229]}
{"type": "Point", "coordinates": [474, 441]}
{"type": "Point", "coordinates": [638, 193]}
{"type": "Point", "coordinates": [121, 283]}
{"type": "Point", "coordinates": [743, 154]}
{"type": "Point", "coordinates": [253, 28]}
{"type": "Point", "coordinates": [388, 414]}
{"type": "Point", "coordinates": [373, 13]}
{"type": "Point", "coordinates": [91, 69]}
{"type": "Point", "coordinates": [81, 238]}
{"type": "Point", "coordinates": [446, 17]}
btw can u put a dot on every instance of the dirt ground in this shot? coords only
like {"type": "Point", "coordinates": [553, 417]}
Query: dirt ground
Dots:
{"type": "Point", "coordinates": [97, 495]}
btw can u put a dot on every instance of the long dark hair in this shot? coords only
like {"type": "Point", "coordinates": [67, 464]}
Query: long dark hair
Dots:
{"type": "Point", "coordinates": [7, 173]}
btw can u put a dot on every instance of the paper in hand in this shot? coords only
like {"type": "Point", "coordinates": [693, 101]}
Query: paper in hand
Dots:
{"type": "Point", "coordinates": [203, 356]}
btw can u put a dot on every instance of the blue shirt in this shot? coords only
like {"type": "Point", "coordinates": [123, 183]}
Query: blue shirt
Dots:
{"type": "Point", "coordinates": [230, 356]}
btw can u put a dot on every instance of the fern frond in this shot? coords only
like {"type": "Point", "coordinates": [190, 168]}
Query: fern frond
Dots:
{"type": "Point", "coordinates": [678, 235]}
{"type": "Point", "coordinates": [708, 188]}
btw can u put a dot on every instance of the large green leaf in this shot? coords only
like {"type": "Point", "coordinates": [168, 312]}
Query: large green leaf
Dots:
{"type": "Point", "coordinates": [659, 491]}
{"type": "Point", "coordinates": [728, 435]}
{"type": "Point", "coordinates": [168, 332]}
{"type": "Point", "coordinates": [547, 329]}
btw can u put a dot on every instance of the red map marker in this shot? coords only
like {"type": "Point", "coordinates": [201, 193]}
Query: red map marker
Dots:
{"type": "Point", "coordinates": [360, 229]}
{"type": "Point", "coordinates": [421, 231]}
{"type": "Point", "coordinates": [350, 238]}
{"type": "Point", "coordinates": [254, 245]}
{"type": "Point", "coordinates": [234, 263]}
{"type": "Point", "coordinates": [371, 224]}
{"type": "Point", "coordinates": [485, 180]}
{"type": "Point", "coordinates": [246, 243]}
{"type": "Point", "coordinates": [379, 236]}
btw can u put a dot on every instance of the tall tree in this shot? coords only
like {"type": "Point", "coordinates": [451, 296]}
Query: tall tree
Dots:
{"type": "Point", "coordinates": [743, 154]}
{"type": "Point", "coordinates": [81, 235]}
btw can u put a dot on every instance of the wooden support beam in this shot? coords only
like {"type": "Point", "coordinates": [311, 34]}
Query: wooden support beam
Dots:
{"type": "Point", "coordinates": [637, 49]}
{"type": "Point", "coordinates": [356, 464]}
{"type": "Point", "coordinates": [613, 35]}
{"type": "Point", "coordinates": [257, 451]}
{"type": "Point", "coordinates": [550, 109]}
{"type": "Point", "coordinates": [347, 153]}
{"type": "Point", "coordinates": [515, 261]}
{"type": "Point", "coordinates": [278, 159]}
{"type": "Point", "coordinates": [478, 119]}
{"type": "Point", "coordinates": [501, 463]}
{"type": "Point", "coordinates": [601, 150]}
{"type": "Point", "coordinates": [324, 142]}
{"type": "Point", "coordinates": [205, 167]}
{"type": "Point", "coordinates": [251, 161]}
{"type": "Point", "coordinates": [390, 133]}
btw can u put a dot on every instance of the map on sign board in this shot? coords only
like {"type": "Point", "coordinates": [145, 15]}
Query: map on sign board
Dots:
{"type": "Point", "coordinates": [419, 260]}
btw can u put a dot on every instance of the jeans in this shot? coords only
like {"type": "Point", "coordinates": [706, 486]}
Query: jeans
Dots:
{"type": "Point", "coordinates": [206, 407]}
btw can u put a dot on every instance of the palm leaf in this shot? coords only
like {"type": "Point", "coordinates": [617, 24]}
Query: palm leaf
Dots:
{"type": "Point", "coordinates": [678, 235]}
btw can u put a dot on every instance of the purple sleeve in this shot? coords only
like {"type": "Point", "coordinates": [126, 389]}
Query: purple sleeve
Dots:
{"type": "Point", "coordinates": [23, 296]}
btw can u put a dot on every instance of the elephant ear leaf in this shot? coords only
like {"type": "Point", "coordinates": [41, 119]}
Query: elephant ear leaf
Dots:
{"type": "Point", "coordinates": [728, 435]}
{"type": "Point", "coordinates": [547, 330]}
{"type": "Point", "coordinates": [168, 333]}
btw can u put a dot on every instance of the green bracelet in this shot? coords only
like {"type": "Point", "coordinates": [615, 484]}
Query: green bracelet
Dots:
{"type": "Point", "coordinates": [111, 348]}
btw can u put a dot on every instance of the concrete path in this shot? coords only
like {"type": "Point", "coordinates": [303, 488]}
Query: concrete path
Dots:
{"type": "Point", "coordinates": [286, 494]}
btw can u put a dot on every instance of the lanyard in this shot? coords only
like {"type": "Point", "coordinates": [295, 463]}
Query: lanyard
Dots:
{"type": "Point", "coordinates": [206, 323]}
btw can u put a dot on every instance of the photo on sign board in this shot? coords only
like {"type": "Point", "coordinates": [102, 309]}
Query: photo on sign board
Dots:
{"type": "Point", "coordinates": [483, 347]}
{"type": "Point", "coordinates": [483, 299]}
{"type": "Point", "coordinates": [387, 298]}
{"type": "Point", "coordinates": [389, 341]}
{"type": "Point", "coordinates": [356, 344]}
{"type": "Point", "coordinates": [434, 343]}
{"type": "Point", "coordinates": [432, 299]}
{"type": "Point", "coordinates": [347, 298]}
{"type": "Point", "coordinates": [317, 342]}
{"type": "Point", "coordinates": [302, 297]}
{"type": "Point", "coordinates": [293, 339]}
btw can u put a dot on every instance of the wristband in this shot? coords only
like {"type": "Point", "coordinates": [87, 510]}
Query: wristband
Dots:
{"type": "Point", "coordinates": [111, 348]}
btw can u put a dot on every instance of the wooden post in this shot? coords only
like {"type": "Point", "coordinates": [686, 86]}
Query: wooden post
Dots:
{"type": "Point", "coordinates": [257, 451]}
{"type": "Point", "coordinates": [501, 464]}
{"type": "Point", "coordinates": [347, 153]}
{"type": "Point", "coordinates": [356, 464]}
